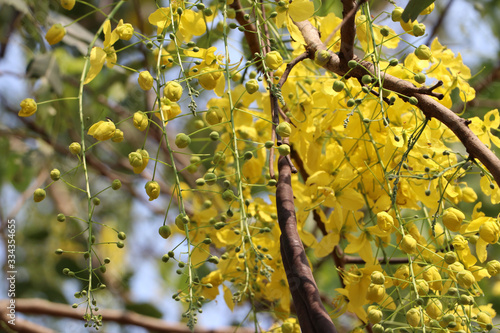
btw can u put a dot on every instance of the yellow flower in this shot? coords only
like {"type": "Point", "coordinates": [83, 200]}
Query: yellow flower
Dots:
{"type": "Point", "coordinates": [152, 190]}
{"type": "Point", "coordinates": [75, 148]}
{"type": "Point", "coordinates": [191, 22]}
{"type": "Point", "coordinates": [118, 136]}
{"type": "Point", "coordinates": [385, 221]}
{"type": "Point", "coordinates": [141, 120]}
{"type": "Point", "coordinates": [434, 308]}
{"type": "Point", "coordinates": [169, 110]}
{"type": "Point", "coordinates": [375, 293]}
{"type": "Point", "coordinates": [215, 279]}
{"type": "Point", "coordinates": [273, 60]}
{"type": "Point", "coordinates": [483, 319]}
{"type": "Point", "coordinates": [489, 232]}
{"type": "Point", "coordinates": [55, 34]}
{"type": "Point", "coordinates": [493, 267]}
{"type": "Point", "coordinates": [102, 130]}
{"type": "Point", "coordinates": [374, 315]}
{"type": "Point", "coordinates": [401, 276]}
{"type": "Point", "coordinates": [465, 279]}
{"type": "Point", "coordinates": [125, 30]}
{"type": "Point", "coordinates": [99, 56]}
{"type": "Point", "coordinates": [297, 10]}
{"type": "Point", "coordinates": [172, 91]}
{"type": "Point", "coordinates": [28, 107]}
{"type": "Point", "coordinates": [145, 80]}
{"type": "Point", "coordinates": [408, 244]}
{"type": "Point", "coordinates": [452, 219]}
{"type": "Point", "coordinates": [68, 4]}
{"type": "Point", "coordinates": [139, 160]}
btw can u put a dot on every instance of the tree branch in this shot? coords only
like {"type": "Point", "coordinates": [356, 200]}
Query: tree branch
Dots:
{"type": "Point", "coordinates": [348, 31]}
{"type": "Point", "coordinates": [430, 107]}
{"type": "Point", "coordinates": [43, 307]}
{"type": "Point", "coordinates": [311, 313]}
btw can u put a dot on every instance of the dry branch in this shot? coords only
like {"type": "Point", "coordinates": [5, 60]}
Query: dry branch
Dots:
{"type": "Point", "coordinates": [42, 307]}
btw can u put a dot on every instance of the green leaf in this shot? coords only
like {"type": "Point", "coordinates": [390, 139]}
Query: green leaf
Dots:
{"type": "Point", "coordinates": [414, 8]}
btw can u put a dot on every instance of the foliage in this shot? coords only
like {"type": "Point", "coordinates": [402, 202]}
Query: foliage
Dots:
{"type": "Point", "coordinates": [177, 115]}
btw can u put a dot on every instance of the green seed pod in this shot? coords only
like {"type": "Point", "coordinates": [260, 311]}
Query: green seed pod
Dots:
{"type": "Point", "coordinates": [338, 86]}
{"type": "Point", "coordinates": [252, 86]}
{"type": "Point", "coordinates": [284, 150]}
{"type": "Point", "coordinates": [55, 174]}
{"type": "Point", "coordinates": [284, 129]}
{"type": "Point", "coordinates": [210, 178]}
{"type": "Point", "coordinates": [116, 184]}
{"type": "Point", "coordinates": [75, 148]}
{"type": "Point", "coordinates": [182, 140]}
{"type": "Point", "coordinates": [39, 195]}
{"type": "Point", "coordinates": [165, 231]}
{"type": "Point", "coordinates": [213, 259]}
{"type": "Point", "coordinates": [322, 57]}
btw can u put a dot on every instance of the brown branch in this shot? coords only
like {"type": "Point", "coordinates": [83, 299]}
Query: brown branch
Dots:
{"type": "Point", "coordinates": [430, 107]}
{"type": "Point", "coordinates": [42, 307]}
{"type": "Point", "coordinates": [348, 31]}
{"type": "Point", "coordinates": [311, 313]}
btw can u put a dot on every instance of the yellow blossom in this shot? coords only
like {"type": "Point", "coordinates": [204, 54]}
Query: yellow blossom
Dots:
{"type": "Point", "coordinates": [118, 136]}
{"type": "Point", "coordinates": [172, 91]}
{"type": "Point", "coordinates": [28, 107]}
{"type": "Point", "coordinates": [125, 30]}
{"type": "Point", "coordinates": [493, 267]}
{"type": "Point", "coordinates": [375, 293]}
{"type": "Point", "coordinates": [408, 244]}
{"type": "Point", "coordinates": [385, 221]}
{"type": "Point", "coordinates": [452, 219]}
{"type": "Point", "coordinates": [169, 110]}
{"type": "Point", "coordinates": [102, 130]}
{"type": "Point", "coordinates": [434, 308]}
{"type": "Point", "coordinates": [465, 279]}
{"type": "Point", "coordinates": [273, 60]}
{"type": "Point", "coordinates": [55, 34]}
{"type": "Point", "coordinates": [99, 56]}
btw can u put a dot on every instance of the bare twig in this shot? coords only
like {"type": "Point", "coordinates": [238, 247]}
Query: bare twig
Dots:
{"type": "Point", "coordinates": [348, 31]}
{"type": "Point", "coordinates": [43, 307]}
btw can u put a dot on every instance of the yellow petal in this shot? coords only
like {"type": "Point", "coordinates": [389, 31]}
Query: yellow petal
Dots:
{"type": "Point", "coordinates": [97, 58]}
{"type": "Point", "coordinates": [300, 10]}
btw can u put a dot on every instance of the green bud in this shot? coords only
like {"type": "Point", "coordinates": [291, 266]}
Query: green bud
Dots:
{"type": "Point", "coordinates": [116, 184]}
{"type": "Point", "coordinates": [122, 235]}
{"type": "Point", "coordinates": [322, 57]}
{"type": "Point", "coordinates": [165, 231]}
{"type": "Point", "coordinates": [214, 136]}
{"type": "Point", "coordinates": [59, 251]}
{"type": "Point", "coordinates": [269, 144]}
{"type": "Point", "coordinates": [396, 14]}
{"type": "Point", "coordinates": [352, 64]}
{"type": "Point", "coordinates": [367, 79]}
{"type": "Point", "coordinates": [252, 86]}
{"type": "Point", "coordinates": [61, 217]}
{"type": "Point", "coordinates": [200, 182]}
{"type": "Point", "coordinates": [384, 31]}
{"type": "Point", "coordinates": [75, 148]}
{"type": "Point", "coordinates": [423, 52]}
{"type": "Point", "coordinates": [338, 85]}
{"type": "Point", "coordinates": [208, 12]}
{"type": "Point", "coordinates": [284, 150]}
{"type": "Point", "coordinates": [39, 195]}
{"type": "Point", "coordinates": [228, 195]}
{"type": "Point", "coordinates": [182, 140]}
{"type": "Point", "coordinates": [418, 29]}
{"type": "Point", "coordinates": [419, 77]}
{"type": "Point", "coordinates": [55, 174]}
{"type": "Point", "coordinates": [210, 178]}
{"type": "Point", "coordinates": [284, 129]}
{"type": "Point", "coordinates": [413, 100]}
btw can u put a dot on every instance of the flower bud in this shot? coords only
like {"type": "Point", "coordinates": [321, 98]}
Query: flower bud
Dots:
{"type": "Point", "coordinates": [210, 178]}
{"type": "Point", "coordinates": [28, 107]}
{"type": "Point", "coordinates": [401, 275]}
{"type": "Point", "coordinates": [212, 116]}
{"type": "Point", "coordinates": [434, 308]}
{"type": "Point", "coordinates": [375, 293]}
{"type": "Point", "coordinates": [422, 287]}
{"type": "Point", "coordinates": [423, 52]}
{"type": "Point", "coordinates": [144, 161]}
{"type": "Point", "coordinates": [493, 267]}
{"type": "Point", "coordinates": [413, 317]}
{"type": "Point", "coordinates": [338, 85]}
{"type": "Point", "coordinates": [385, 31]}
{"type": "Point", "coordinates": [489, 232]}
{"type": "Point", "coordinates": [116, 184]}
{"type": "Point", "coordinates": [228, 195]}
{"type": "Point", "coordinates": [55, 174]}
{"type": "Point", "coordinates": [322, 57]}
{"type": "Point", "coordinates": [273, 60]}
{"type": "Point", "coordinates": [408, 244]}
{"type": "Point", "coordinates": [118, 137]}
{"type": "Point", "coordinates": [182, 140]}
{"type": "Point", "coordinates": [55, 34]}
{"type": "Point", "coordinates": [385, 221]}
{"type": "Point", "coordinates": [102, 130]}
{"type": "Point", "coordinates": [141, 120]}
{"type": "Point", "coordinates": [468, 194]}
{"type": "Point", "coordinates": [428, 10]}
{"type": "Point", "coordinates": [135, 159]}
{"type": "Point", "coordinates": [284, 150]}
{"type": "Point", "coordinates": [152, 190]}
{"type": "Point", "coordinates": [418, 29]}
{"type": "Point", "coordinates": [452, 219]}
{"type": "Point", "coordinates": [125, 31]}
{"type": "Point", "coordinates": [173, 91]}
{"type": "Point", "coordinates": [396, 14]}
{"type": "Point", "coordinates": [419, 77]}
{"type": "Point", "coordinates": [465, 279]}
{"type": "Point", "coordinates": [68, 4]}
{"type": "Point", "coordinates": [75, 148]}
{"type": "Point", "coordinates": [374, 316]}
{"type": "Point", "coordinates": [39, 195]}
{"type": "Point", "coordinates": [284, 129]}
{"type": "Point", "coordinates": [145, 80]}
{"type": "Point", "coordinates": [165, 231]}
{"type": "Point", "coordinates": [450, 257]}
{"type": "Point", "coordinates": [377, 277]}
{"type": "Point", "coordinates": [252, 86]}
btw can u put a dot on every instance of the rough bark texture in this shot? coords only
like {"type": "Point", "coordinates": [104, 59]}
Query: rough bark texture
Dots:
{"type": "Point", "coordinates": [311, 313]}
{"type": "Point", "coordinates": [430, 107]}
